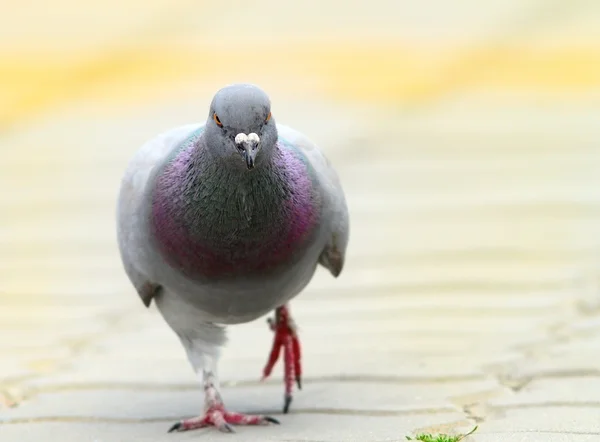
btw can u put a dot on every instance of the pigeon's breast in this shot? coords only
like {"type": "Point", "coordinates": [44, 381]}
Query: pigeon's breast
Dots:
{"type": "Point", "coordinates": [208, 226]}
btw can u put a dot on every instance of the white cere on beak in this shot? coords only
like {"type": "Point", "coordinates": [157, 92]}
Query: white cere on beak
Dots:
{"type": "Point", "coordinates": [242, 138]}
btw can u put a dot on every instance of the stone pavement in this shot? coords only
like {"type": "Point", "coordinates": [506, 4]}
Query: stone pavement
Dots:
{"type": "Point", "coordinates": [469, 296]}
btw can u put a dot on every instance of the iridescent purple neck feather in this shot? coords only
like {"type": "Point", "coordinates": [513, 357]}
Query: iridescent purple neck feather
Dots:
{"type": "Point", "coordinates": [213, 222]}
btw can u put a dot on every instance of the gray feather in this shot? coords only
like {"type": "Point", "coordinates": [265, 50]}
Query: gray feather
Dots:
{"type": "Point", "coordinates": [141, 261]}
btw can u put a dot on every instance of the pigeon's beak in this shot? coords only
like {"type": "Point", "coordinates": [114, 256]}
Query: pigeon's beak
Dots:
{"type": "Point", "coordinates": [249, 156]}
{"type": "Point", "coordinates": [248, 147]}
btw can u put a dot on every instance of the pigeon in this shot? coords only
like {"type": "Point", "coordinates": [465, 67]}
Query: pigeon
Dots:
{"type": "Point", "coordinates": [220, 223]}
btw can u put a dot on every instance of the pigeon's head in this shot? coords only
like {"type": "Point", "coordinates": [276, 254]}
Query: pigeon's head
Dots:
{"type": "Point", "coordinates": [240, 128]}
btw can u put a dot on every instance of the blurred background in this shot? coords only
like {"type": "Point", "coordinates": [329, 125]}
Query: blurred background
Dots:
{"type": "Point", "coordinates": [465, 133]}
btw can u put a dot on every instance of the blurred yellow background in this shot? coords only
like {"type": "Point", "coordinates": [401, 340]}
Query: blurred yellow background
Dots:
{"type": "Point", "coordinates": [396, 52]}
{"type": "Point", "coordinates": [466, 133]}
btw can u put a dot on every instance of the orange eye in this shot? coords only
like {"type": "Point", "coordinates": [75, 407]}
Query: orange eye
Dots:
{"type": "Point", "coordinates": [216, 118]}
{"type": "Point", "coordinates": [268, 118]}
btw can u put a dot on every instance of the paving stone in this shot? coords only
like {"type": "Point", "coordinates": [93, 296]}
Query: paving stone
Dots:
{"type": "Point", "coordinates": [293, 428]}
{"type": "Point", "coordinates": [574, 360]}
{"type": "Point", "coordinates": [533, 436]}
{"type": "Point", "coordinates": [544, 421]}
{"type": "Point", "coordinates": [136, 403]}
{"type": "Point", "coordinates": [575, 391]}
{"type": "Point", "coordinates": [13, 369]}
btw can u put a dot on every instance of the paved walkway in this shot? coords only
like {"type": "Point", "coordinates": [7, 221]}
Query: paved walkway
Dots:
{"type": "Point", "coordinates": [469, 295]}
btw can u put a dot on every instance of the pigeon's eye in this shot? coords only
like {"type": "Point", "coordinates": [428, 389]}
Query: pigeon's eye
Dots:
{"type": "Point", "coordinates": [268, 118]}
{"type": "Point", "coordinates": [216, 118]}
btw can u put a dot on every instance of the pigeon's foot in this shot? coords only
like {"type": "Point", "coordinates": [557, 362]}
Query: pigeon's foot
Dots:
{"type": "Point", "coordinates": [222, 419]}
{"type": "Point", "coordinates": [286, 337]}
{"type": "Point", "coordinates": [216, 415]}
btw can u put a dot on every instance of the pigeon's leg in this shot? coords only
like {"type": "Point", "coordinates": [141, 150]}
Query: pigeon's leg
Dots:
{"type": "Point", "coordinates": [202, 342]}
{"type": "Point", "coordinates": [286, 336]}
{"type": "Point", "coordinates": [202, 346]}
{"type": "Point", "coordinates": [215, 413]}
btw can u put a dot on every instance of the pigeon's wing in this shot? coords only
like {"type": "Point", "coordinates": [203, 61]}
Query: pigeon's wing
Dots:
{"type": "Point", "coordinates": [131, 207]}
{"type": "Point", "coordinates": [335, 207]}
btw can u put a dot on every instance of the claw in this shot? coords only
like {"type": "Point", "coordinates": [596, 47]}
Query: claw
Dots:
{"type": "Point", "coordinates": [175, 427]}
{"type": "Point", "coordinates": [286, 403]}
{"type": "Point", "coordinates": [226, 428]}
{"type": "Point", "coordinates": [299, 382]}
{"type": "Point", "coordinates": [272, 420]}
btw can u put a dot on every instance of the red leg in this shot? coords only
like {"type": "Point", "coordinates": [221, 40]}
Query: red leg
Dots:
{"type": "Point", "coordinates": [297, 364]}
{"type": "Point", "coordinates": [273, 356]}
{"type": "Point", "coordinates": [288, 372]}
{"type": "Point", "coordinates": [286, 337]}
